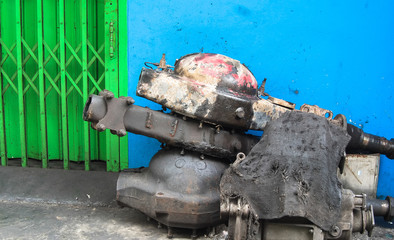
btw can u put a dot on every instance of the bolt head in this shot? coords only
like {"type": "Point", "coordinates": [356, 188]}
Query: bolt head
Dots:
{"type": "Point", "coordinates": [109, 95]}
{"type": "Point", "coordinates": [121, 132]}
{"type": "Point", "coordinates": [130, 100]}
{"type": "Point", "coordinates": [100, 127]}
{"type": "Point", "coordinates": [335, 231]}
{"type": "Point", "coordinates": [240, 113]}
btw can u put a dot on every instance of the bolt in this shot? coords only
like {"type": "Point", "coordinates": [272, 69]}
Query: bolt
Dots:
{"type": "Point", "coordinates": [121, 132]}
{"type": "Point", "coordinates": [240, 112]}
{"type": "Point", "coordinates": [100, 127]}
{"type": "Point", "coordinates": [109, 95]}
{"type": "Point", "coordinates": [200, 126]}
{"type": "Point", "coordinates": [217, 129]}
{"type": "Point", "coordinates": [335, 231]}
{"type": "Point", "coordinates": [202, 157]}
{"type": "Point", "coordinates": [130, 100]}
{"type": "Point", "coordinates": [183, 152]}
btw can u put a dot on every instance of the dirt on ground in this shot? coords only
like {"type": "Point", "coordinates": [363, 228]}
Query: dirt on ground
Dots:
{"type": "Point", "coordinates": [53, 221]}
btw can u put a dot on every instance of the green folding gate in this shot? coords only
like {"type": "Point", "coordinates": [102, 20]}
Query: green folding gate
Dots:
{"type": "Point", "coordinates": [54, 53]}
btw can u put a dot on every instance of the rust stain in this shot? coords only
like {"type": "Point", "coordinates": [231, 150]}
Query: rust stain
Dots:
{"type": "Point", "coordinates": [351, 171]}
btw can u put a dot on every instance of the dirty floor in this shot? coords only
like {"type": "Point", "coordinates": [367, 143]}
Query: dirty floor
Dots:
{"type": "Point", "coordinates": [40, 204]}
{"type": "Point", "coordinates": [53, 221]}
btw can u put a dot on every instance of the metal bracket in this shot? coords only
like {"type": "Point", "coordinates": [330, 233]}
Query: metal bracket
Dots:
{"type": "Point", "coordinates": [339, 120]}
{"type": "Point", "coordinates": [109, 118]}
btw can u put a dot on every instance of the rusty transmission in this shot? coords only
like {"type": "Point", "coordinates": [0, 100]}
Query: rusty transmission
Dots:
{"type": "Point", "coordinates": [211, 172]}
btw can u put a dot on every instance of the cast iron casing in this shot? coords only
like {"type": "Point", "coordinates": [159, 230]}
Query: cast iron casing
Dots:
{"type": "Point", "coordinates": [178, 190]}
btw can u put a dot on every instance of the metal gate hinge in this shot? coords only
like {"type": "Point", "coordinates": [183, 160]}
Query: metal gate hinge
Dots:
{"type": "Point", "coordinates": [111, 40]}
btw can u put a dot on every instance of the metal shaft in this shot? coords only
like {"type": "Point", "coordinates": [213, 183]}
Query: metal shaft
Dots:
{"type": "Point", "coordinates": [120, 115]}
{"type": "Point", "coordinates": [362, 141]}
{"type": "Point", "coordinates": [383, 208]}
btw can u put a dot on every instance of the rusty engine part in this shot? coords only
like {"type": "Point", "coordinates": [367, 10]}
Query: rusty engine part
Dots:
{"type": "Point", "coordinates": [213, 100]}
{"type": "Point", "coordinates": [292, 170]}
{"type": "Point", "coordinates": [220, 90]}
{"type": "Point", "coordinates": [289, 181]}
{"type": "Point", "coordinates": [121, 115]}
{"type": "Point", "coordinates": [179, 189]}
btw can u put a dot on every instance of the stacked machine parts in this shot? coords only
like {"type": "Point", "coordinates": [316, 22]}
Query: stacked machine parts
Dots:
{"type": "Point", "coordinates": [282, 185]}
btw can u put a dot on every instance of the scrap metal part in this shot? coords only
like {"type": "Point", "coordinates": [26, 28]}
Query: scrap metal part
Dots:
{"type": "Point", "coordinates": [287, 187]}
{"type": "Point", "coordinates": [179, 189]}
{"type": "Point", "coordinates": [121, 115]}
{"type": "Point", "coordinates": [221, 91]}
{"type": "Point", "coordinates": [355, 216]}
{"type": "Point", "coordinates": [210, 87]}
{"type": "Point", "coordinates": [292, 171]}
{"type": "Point", "coordinates": [369, 143]}
{"type": "Point", "coordinates": [287, 181]}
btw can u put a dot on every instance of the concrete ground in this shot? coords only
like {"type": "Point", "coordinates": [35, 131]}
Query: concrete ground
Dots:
{"type": "Point", "coordinates": [53, 221]}
{"type": "Point", "coordinates": [56, 204]}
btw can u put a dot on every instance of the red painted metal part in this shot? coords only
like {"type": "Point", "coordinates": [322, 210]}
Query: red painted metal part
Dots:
{"type": "Point", "coordinates": [218, 71]}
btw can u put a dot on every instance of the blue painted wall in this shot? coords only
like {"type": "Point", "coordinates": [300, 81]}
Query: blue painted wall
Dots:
{"type": "Point", "coordinates": [336, 54]}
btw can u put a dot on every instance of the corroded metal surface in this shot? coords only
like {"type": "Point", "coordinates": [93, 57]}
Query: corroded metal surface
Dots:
{"type": "Point", "coordinates": [356, 215]}
{"type": "Point", "coordinates": [289, 174]}
{"type": "Point", "coordinates": [369, 143]}
{"type": "Point", "coordinates": [212, 88]}
{"type": "Point", "coordinates": [120, 115]}
{"type": "Point", "coordinates": [178, 189]}
{"type": "Point", "coordinates": [219, 71]}
{"type": "Point", "coordinates": [205, 102]}
{"type": "Point", "coordinates": [292, 171]}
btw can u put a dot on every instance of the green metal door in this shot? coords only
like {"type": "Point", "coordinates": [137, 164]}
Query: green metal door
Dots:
{"type": "Point", "coordinates": [54, 53]}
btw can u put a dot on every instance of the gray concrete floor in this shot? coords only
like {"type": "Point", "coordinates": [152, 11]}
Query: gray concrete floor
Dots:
{"type": "Point", "coordinates": [52, 221]}
{"type": "Point", "coordinates": [20, 220]}
{"type": "Point", "coordinates": [56, 204]}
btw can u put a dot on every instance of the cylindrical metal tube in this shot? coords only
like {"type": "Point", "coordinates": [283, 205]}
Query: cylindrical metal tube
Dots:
{"type": "Point", "coordinates": [105, 106]}
{"type": "Point", "coordinates": [95, 108]}
{"type": "Point", "coordinates": [383, 208]}
{"type": "Point", "coordinates": [380, 207]}
{"type": "Point", "coordinates": [362, 141]}
{"type": "Point", "coordinates": [118, 115]}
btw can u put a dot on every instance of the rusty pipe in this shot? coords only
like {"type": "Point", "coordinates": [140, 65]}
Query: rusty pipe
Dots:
{"type": "Point", "coordinates": [362, 141]}
{"type": "Point", "coordinates": [97, 108]}
{"type": "Point", "coordinates": [121, 115]}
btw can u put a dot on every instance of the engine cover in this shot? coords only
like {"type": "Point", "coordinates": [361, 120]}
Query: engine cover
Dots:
{"type": "Point", "coordinates": [212, 88]}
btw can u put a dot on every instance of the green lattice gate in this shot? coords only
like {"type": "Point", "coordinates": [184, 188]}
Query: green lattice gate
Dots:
{"type": "Point", "coordinates": [54, 53]}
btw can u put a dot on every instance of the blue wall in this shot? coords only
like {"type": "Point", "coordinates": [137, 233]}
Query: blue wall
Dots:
{"type": "Point", "coordinates": [336, 54]}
